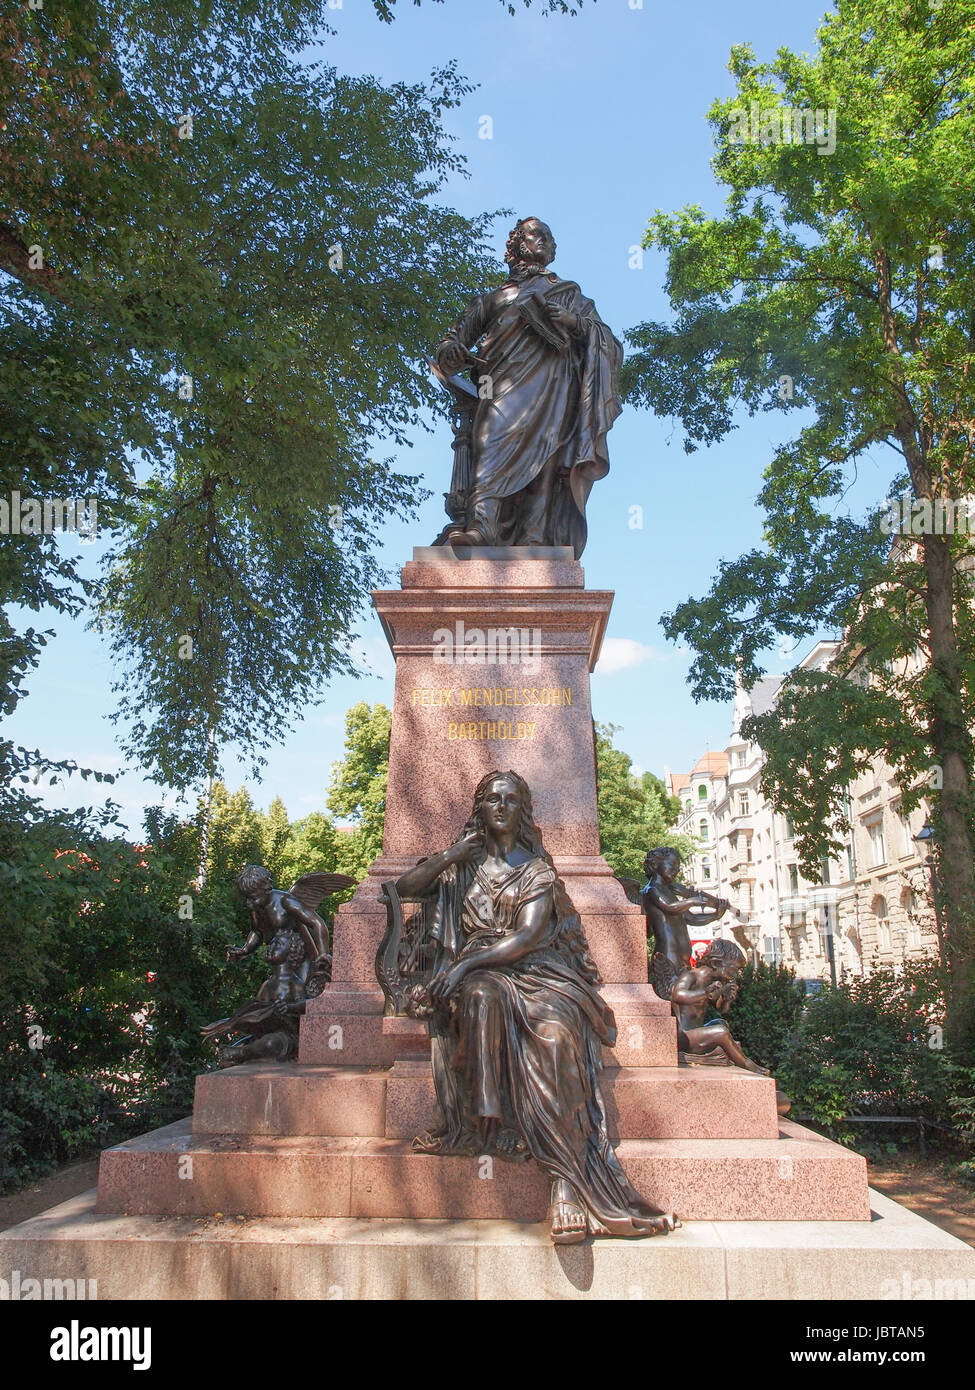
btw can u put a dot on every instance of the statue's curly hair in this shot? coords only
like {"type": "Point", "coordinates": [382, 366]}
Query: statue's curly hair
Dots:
{"type": "Point", "coordinates": [720, 950]}
{"type": "Point", "coordinates": [512, 251]}
{"type": "Point", "coordinates": [529, 837]}
{"type": "Point", "coordinates": [251, 878]}
{"type": "Point", "coordinates": [655, 857]}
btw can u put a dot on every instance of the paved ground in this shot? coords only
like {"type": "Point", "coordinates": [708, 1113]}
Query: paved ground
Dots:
{"type": "Point", "coordinates": [930, 1191]}
{"type": "Point", "coordinates": [926, 1189]}
{"type": "Point", "coordinates": [67, 1182]}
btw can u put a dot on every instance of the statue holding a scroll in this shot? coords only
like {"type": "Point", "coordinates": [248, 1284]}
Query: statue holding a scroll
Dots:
{"type": "Point", "coordinates": [531, 430]}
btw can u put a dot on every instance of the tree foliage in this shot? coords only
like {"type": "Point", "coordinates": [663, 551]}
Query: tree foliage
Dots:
{"type": "Point", "coordinates": [767, 1011]}
{"type": "Point", "coordinates": [240, 262]}
{"type": "Point", "coordinates": [635, 813]}
{"type": "Point", "coordinates": [357, 791]}
{"type": "Point", "coordinates": [847, 274]}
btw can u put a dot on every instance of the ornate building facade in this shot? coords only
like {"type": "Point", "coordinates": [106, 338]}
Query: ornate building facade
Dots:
{"type": "Point", "coordinates": [872, 904]}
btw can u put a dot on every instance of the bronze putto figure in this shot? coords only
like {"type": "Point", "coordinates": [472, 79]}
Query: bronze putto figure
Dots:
{"type": "Point", "coordinates": [296, 947]}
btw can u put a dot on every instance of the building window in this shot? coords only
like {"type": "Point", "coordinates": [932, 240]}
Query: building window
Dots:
{"type": "Point", "coordinates": [706, 870]}
{"type": "Point", "coordinates": [704, 828]}
{"type": "Point", "coordinates": [793, 880]}
{"type": "Point", "coordinates": [913, 925]}
{"type": "Point", "coordinates": [878, 842]}
{"type": "Point", "coordinates": [740, 757]}
{"type": "Point", "coordinates": [880, 913]}
{"type": "Point", "coordinates": [790, 830]}
{"type": "Point", "coordinates": [743, 803]}
{"type": "Point", "coordinates": [702, 792]}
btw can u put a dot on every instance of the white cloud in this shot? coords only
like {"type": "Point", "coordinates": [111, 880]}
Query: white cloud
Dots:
{"type": "Point", "coordinates": [622, 653]}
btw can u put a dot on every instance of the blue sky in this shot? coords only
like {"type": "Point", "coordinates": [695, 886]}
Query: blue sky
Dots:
{"type": "Point", "coordinates": [598, 121]}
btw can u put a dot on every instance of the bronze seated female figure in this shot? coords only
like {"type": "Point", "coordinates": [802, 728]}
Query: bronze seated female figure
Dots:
{"type": "Point", "coordinates": [515, 1018]}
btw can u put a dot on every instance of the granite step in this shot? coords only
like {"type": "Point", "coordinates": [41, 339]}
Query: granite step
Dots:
{"type": "Point", "coordinates": [796, 1177]}
{"type": "Point", "coordinates": [344, 1025]}
{"type": "Point", "coordinates": [398, 1103]}
{"type": "Point", "coordinates": [895, 1256]}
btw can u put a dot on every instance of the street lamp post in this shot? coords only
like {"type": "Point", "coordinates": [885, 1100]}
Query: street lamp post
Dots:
{"type": "Point", "coordinates": [923, 836]}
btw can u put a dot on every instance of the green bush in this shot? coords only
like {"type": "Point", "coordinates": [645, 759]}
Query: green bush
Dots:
{"type": "Point", "coordinates": [864, 1047]}
{"type": "Point", "coordinates": [103, 989]}
{"type": "Point", "coordinates": [766, 1012]}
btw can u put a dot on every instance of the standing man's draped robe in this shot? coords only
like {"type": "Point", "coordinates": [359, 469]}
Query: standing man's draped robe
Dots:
{"type": "Point", "coordinates": [543, 410]}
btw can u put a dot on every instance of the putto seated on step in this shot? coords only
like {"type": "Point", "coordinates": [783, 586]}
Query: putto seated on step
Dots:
{"type": "Point", "coordinates": [515, 1018]}
{"type": "Point", "coordinates": [711, 985]}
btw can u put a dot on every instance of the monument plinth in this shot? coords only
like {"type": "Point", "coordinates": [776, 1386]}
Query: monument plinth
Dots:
{"type": "Point", "coordinates": [494, 649]}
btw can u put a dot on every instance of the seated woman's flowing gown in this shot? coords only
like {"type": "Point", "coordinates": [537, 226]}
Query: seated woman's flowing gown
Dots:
{"type": "Point", "coordinates": [521, 1044]}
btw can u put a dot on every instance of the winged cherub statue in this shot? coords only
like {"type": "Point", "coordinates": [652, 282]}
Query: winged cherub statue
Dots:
{"type": "Point", "coordinates": [296, 947]}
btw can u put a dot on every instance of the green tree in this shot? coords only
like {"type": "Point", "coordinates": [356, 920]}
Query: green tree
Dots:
{"type": "Point", "coordinates": [357, 790]}
{"type": "Point", "coordinates": [310, 847]}
{"type": "Point", "coordinates": [635, 813]}
{"type": "Point", "coordinates": [236, 834]}
{"type": "Point", "coordinates": [840, 284]}
{"type": "Point", "coordinates": [275, 837]}
{"type": "Point", "coordinates": [235, 307]}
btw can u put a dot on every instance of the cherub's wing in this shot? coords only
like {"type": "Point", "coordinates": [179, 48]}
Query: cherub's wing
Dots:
{"type": "Point", "coordinates": [631, 887]}
{"type": "Point", "coordinates": [311, 888]}
{"type": "Point", "coordinates": [663, 974]}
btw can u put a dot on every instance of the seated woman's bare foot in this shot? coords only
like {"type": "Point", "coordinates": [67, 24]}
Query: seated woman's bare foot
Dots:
{"type": "Point", "coordinates": [509, 1144]}
{"type": "Point", "coordinates": [569, 1221]}
{"type": "Point", "coordinates": [660, 1223]}
{"type": "Point", "coordinates": [663, 1224]}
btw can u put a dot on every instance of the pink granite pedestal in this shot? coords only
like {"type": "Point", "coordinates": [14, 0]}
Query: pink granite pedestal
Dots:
{"type": "Point", "coordinates": [522, 704]}
{"type": "Point", "coordinates": [297, 1180]}
{"type": "Point", "coordinates": [329, 1136]}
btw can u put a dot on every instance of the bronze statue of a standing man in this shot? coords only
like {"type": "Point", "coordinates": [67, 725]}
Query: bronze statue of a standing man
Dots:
{"type": "Point", "coordinates": [547, 379]}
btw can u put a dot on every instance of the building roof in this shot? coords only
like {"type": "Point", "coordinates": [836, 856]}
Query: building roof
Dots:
{"type": "Point", "coordinates": [762, 695]}
{"type": "Point", "coordinates": [678, 781]}
{"type": "Point", "coordinates": [714, 763]}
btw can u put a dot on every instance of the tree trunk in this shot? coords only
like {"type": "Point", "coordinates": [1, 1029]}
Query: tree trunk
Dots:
{"type": "Point", "coordinates": [951, 742]}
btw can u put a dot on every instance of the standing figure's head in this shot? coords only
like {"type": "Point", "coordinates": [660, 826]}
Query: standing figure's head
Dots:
{"type": "Point", "coordinates": [254, 882]}
{"type": "Point", "coordinates": [531, 245]}
{"type": "Point", "coordinates": [502, 803]}
{"type": "Point", "coordinates": [662, 862]}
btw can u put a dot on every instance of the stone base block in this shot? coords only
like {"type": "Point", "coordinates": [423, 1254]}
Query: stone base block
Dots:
{"type": "Point", "coordinates": [262, 1098]}
{"type": "Point", "coordinates": [641, 1102]}
{"type": "Point", "coordinates": [797, 1177]}
{"type": "Point", "coordinates": [895, 1256]}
